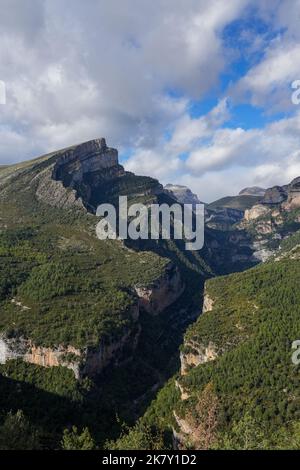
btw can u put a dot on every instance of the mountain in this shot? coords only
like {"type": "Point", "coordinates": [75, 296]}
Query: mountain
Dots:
{"type": "Point", "coordinates": [252, 191]}
{"type": "Point", "coordinates": [79, 315]}
{"type": "Point", "coordinates": [241, 203]}
{"type": "Point", "coordinates": [237, 387]}
{"type": "Point", "coordinates": [90, 330]}
{"type": "Point", "coordinates": [182, 194]}
{"type": "Point", "coordinates": [274, 218]}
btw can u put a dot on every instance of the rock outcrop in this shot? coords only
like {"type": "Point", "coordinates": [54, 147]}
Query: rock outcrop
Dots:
{"type": "Point", "coordinates": [195, 353]}
{"type": "Point", "coordinates": [208, 303]}
{"type": "Point", "coordinates": [91, 361]}
{"type": "Point", "coordinates": [163, 292]}
{"type": "Point", "coordinates": [222, 218]}
{"type": "Point", "coordinates": [76, 174]}
{"type": "Point", "coordinates": [269, 216]}
{"type": "Point", "coordinates": [83, 362]}
{"type": "Point", "coordinates": [256, 211]}
{"type": "Point", "coordinates": [252, 191]}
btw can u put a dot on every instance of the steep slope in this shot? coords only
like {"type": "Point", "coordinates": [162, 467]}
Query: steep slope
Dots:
{"type": "Point", "coordinates": [236, 361]}
{"type": "Point", "coordinates": [182, 193]}
{"type": "Point", "coordinates": [224, 213]}
{"type": "Point", "coordinates": [275, 218]}
{"type": "Point", "coordinates": [67, 298]}
{"type": "Point", "coordinates": [82, 306]}
{"type": "Point", "coordinates": [240, 202]}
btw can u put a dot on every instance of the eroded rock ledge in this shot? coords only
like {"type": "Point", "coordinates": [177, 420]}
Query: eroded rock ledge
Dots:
{"type": "Point", "coordinates": [92, 361]}
{"type": "Point", "coordinates": [195, 352]}
{"type": "Point", "coordinates": [77, 173]}
{"type": "Point", "coordinates": [162, 293]}
{"type": "Point", "coordinates": [83, 362]}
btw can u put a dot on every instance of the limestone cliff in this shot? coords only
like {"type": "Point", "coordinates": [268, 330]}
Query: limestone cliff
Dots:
{"type": "Point", "coordinates": [161, 293]}
{"type": "Point", "coordinates": [195, 353]}
{"type": "Point", "coordinates": [276, 217]}
{"type": "Point", "coordinates": [91, 361]}
{"type": "Point", "coordinates": [275, 201]}
{"type": "Point", "coordinates": [83, 362]}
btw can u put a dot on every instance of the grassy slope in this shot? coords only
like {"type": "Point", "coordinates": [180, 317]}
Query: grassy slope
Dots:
{"type": "Point", "coordinates": [235, 202]}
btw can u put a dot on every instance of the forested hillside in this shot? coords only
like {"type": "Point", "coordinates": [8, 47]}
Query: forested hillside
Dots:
{"type": "Point", "coordinates": [246, 395]}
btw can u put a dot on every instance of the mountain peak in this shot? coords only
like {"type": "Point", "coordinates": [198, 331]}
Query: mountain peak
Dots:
{"type": "Point", "coordinates": [252, 191]}
{"type": "Point", "coordinates": [88, 157]}
{"type": "Point", "coordinates": [183, 194]}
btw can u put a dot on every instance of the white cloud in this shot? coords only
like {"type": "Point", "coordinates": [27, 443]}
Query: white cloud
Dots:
{"type": "Point", "coordinates": [225, 159]}
{"type": "Point", "coordinates": [268, 84]}
{"type": "Point", "coordinates": [77, 70]}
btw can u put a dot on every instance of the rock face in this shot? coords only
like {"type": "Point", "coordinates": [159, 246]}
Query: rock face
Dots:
{"type": "Point", "coordinates": [293, 200]}
{"type": "Point", "coordinates": [77, 175]}
{"type": "Point", "coordinates": [162, 293]}
{"type": "Point", "coordinates": [252, 191]}
{"type": "Point", "coordinates": [275, 195]}
{"type": "Point", "coordinates": [196, 353]}
{"type": "Point", "coordinates": [55, 194]}
{"type": "Point", "coordinates": [87, 175]}
{"type": "Point", "coordinates": [89, 157]}
{"type": "Point", "coordinates": [255, 212]}
{"type": "Point", "coordinates": [182, 194]}
{"type": "Point", "coordinates": [20, 348]}
{"type": "Point", "coordinates": [267, 216]}
{"type": "Point", "coordinates": [222, 218]}
{"type": "Point", "coordinates": [74, 163]}
{"type": "Point", "coordinates": [87, 362]}
{"type": "Point", "coordinates": [199, 355]}
{"type": "Point", "coordinates": [110, 351]}
{"type": "Point", "coordinates": [287, 196]}
{"type": "Point", "coordinates": [208, 303]}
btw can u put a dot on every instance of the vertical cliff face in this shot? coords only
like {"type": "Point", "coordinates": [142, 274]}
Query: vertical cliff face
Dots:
{"type": "Point", "coordinates": [89, 157]}
{"type": "Point", "coordinates": [85, 167]}
{"type": "Point", "coordinates": [87, 175]}
{"type": "Point", "coordinates": [111, 350]}
{"type": "Point", "coordinates": [110, 353]}
{"type": "Point", "coordinates": [163, 292]}
{"type": "Point", "coordinates": [78, 175]}
{"type": "Point", "coordinates": [194, 352]}
{"type": "Point", "coordinates": [83, 362]}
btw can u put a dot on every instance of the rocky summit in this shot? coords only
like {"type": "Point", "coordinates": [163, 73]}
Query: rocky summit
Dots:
{"type": "Point", "coordinates": [182, 194]}
{"type": "Point", "coordinates": [252, 191]}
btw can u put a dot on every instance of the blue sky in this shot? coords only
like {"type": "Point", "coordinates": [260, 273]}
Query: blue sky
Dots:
{"type": "Point", "coordinates": [195, 92]}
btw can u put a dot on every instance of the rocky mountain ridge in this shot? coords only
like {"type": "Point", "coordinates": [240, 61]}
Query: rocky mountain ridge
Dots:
{"type": "Point", "coordinates": [182, 194]}
{"type": "Point", "coordinates": [96, 309]}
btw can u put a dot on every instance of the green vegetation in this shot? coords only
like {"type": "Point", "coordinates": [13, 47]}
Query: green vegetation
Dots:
{"type": "Point", "coordinates": [60, 285]}
{"type": "Point", "coordinates": [68, 287]}
{"type": "Point", "coordinates": [16, 433]}
{"type": "Point", "coordinates": [255, 319]}
{"type": "Point", "coordinates": [74, 440]}
{"type": "Point", "coordinates": [242, 202]}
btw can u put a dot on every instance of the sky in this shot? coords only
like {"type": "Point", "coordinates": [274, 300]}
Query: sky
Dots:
{"type": "Point", "coordinates": [193, 92]}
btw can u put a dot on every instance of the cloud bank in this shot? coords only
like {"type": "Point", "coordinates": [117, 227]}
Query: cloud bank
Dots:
{"type": "Point", "coordinates": [132, 70]}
